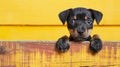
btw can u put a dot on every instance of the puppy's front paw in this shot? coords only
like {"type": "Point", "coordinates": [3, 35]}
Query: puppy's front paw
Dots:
{"type": "Point", "coordinates": [63, 44]}
{"type": "Point", "coordinates": [95, 44]}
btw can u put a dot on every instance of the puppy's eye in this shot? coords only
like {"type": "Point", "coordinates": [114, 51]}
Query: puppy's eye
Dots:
{"type": "Point", "coordinates": [89, 21]}
{"type": "Point", "coordinates": [71, 21]}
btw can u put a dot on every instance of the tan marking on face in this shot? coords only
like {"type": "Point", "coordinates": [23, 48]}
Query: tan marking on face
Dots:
{"type": "Point", "coordinates": [73, 32]}
{"type": "Point", "coordinates": [86, 17]}
{"type": "Point", "coordinates": [75, 17]}
{"type": "Point", "coordinates": [87, 33]}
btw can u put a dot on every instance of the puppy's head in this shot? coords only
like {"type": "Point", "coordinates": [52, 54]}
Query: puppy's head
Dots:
{"type": "Point", "coordinates": [80, 21]}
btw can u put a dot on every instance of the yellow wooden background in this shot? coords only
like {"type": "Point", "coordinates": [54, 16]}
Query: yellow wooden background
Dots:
{"type": "Point", "coordinates": [38, 19]}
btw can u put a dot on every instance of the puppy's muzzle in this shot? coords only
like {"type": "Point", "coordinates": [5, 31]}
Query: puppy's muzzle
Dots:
{"type": "Point", "coordinates": [81, 29]}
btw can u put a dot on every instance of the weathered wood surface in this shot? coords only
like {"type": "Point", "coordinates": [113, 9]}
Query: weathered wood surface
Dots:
{"type": "Point", "coordinates": [44, 54]}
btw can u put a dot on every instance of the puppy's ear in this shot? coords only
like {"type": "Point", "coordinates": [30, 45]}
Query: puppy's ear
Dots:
{"type": "Point", "coordinates": [96, 15]}
{"type": "Point", "coordinates": [64, 15]}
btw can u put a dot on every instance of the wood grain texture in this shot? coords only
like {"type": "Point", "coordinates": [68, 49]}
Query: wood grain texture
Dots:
{"type": "Point", "coordinates": [44, 54]}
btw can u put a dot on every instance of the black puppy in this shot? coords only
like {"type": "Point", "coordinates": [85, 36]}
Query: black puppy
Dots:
{"type": "Point", "coordinates": [80, 23]}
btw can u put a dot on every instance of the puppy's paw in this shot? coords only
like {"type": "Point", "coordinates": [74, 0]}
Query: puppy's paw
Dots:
{"type": "Point", "coordinates": [62, 44]}
{"type": "Point", "coordinates": [95, 44]}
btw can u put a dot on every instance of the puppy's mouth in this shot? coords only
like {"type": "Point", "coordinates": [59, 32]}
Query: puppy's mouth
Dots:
{"type": "Point", "coordinates": [79, 35]}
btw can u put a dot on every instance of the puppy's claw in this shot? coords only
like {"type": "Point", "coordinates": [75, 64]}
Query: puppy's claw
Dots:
{"type": "Point", "coordinates": [63, 44]}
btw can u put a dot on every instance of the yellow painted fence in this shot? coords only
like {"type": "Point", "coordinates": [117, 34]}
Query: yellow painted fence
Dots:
{"type": "Point", "coordinates": [44, 54]}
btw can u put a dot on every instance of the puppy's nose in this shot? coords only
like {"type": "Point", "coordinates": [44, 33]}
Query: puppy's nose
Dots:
{"type": "Point", "coordinates": [81, 29]}
{"type": "Point", "coordinates": [80, 32]}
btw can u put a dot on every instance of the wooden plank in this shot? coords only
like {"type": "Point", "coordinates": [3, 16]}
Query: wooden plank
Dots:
{"type": "Point", "coordinates": [44, 54]}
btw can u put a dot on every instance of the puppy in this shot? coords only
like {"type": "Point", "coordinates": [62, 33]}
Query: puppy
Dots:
{"type": "Point", "coordinates": [80, 24]}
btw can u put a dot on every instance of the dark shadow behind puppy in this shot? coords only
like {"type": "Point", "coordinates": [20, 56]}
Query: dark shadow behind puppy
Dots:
{"type": "Point", "coordinates": [80, 24]}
